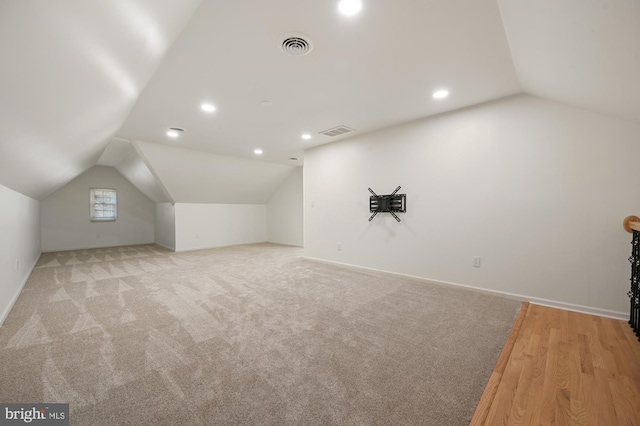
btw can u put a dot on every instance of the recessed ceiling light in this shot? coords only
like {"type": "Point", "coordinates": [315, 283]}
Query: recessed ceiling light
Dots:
{"type": "Point", "coordinates": [439, 94]}
{"type": "Point", "coordinates": [174, 132]}
{"type": "Point", "coordinates": [257, 151]}
{"type": "Point", "coordinates": [349, 7]}
{"type": "Point", "coordinates": [293, 158]}
{"type": "Point", "coordinates": [208, 107]}
{"type": "Point", "coordinates": [306, 136]}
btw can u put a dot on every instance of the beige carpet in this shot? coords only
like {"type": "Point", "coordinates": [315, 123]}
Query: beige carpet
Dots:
{"type": "Point", "coordinates": [245, 335]}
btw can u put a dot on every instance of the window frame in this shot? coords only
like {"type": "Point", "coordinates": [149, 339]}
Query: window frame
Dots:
{"type": "Point", "coordinates": [92, 203]}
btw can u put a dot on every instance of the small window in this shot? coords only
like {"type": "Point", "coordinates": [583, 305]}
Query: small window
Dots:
{"type": "Point", "coordinates": [103, 205]}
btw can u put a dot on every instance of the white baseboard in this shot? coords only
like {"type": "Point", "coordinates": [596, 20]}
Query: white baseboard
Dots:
{"type": "Point", "coordinates": [218, 246]}
{"type": "Point", "coordinates": [7, 309]}
{"type": "Point", "coordinates": [624, 316]}
{"type": "Point", "coordinates": [165, 246]}
{"type": "Point", "coordinates": [96, 247]}
{"type": "Point", "coordinates": [285, 244]}
{"type": "Point", "coordinates": [607, 313]}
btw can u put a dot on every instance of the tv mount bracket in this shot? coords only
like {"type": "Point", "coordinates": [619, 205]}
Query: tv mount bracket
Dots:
{"type": "Point", "coordinates": [392, 203]}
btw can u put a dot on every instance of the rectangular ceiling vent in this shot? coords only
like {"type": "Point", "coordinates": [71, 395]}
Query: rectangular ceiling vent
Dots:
{"type": "Point", "coordinates": [337, 131]}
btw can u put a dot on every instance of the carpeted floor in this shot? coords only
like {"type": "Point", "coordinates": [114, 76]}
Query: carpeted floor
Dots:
{"type": "Point", "coordinates": [245, 335]}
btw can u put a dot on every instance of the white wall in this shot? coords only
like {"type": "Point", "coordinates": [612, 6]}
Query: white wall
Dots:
{"type": "Point", "coordinates": [537, 189]}
{"type": "Point", "coordinates": [201, 226]}
{"type": "Point", "coordinates": [19, 244]}
{"type": "Point", "coordinates": [284, 212]}
{"type": "Point", "coordinates": [165, 225]}
{"type": "Point", "coordinates": [65, 219]}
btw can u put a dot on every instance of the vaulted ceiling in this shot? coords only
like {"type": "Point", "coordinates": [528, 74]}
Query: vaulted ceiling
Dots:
{"type": "Point", "coordinates": [583, 53]}
{"type": "Point", "coordinates": [85, 83]}
{"type": "Point", "coordinates": [71, 72]}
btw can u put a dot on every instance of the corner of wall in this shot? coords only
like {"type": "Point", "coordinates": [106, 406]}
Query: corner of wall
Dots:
{"type": "Point", "coordinates": [7, 309]}
{"type": "Point", "coordinates": [19, 245]}
{"type": "Point", "coordinates": [285, 216]}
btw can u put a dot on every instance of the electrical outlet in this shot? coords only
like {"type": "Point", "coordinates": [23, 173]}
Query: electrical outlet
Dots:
{"type": "Point", "coordinates": [98, 236]}
{"type": "Point", "coordinates": [197, 236]}
{"type": "Point", "coordinates": [476, 261]}
{"type": "Point", "coordinates": [339, 246]}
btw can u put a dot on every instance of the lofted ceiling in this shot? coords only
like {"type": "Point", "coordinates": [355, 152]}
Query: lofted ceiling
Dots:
{"type": "Point", "coordinates": [71, 72]}
{"type": "Point", "coordinates": [85, 83]}
{"type": "Point", "coordinates": [189, 176]}
{"type": "Point", "coordinates": [584, 53]}
{"type": "Point", "coordinates": [366, 72]}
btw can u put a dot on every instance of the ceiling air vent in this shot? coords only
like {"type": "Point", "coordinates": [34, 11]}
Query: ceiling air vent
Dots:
{"type": "Point", "coordinates": [295, 44]}
{"type": "Point", "coordinates": [174, 132]}
{"type": "Point", "coordinates": [337, 131]}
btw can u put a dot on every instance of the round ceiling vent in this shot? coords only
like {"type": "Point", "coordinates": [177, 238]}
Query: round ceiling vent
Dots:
{"type": "Point", "coordinates": [295, 44]}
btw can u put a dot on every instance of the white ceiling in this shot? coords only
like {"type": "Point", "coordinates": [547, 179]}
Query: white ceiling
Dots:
{"type": "Point", "coordinates": [71, 71]}
{"type": "Point", "coordinates": [584, 53]}
{"type": "Point", "coordinates": [135, 169]}
{"type": "Point", "coordinates": [189, 176]}
{"type": "Point", "coordinates": [76, 74]}
{"type": "Point", "coordinates": [366, 72]}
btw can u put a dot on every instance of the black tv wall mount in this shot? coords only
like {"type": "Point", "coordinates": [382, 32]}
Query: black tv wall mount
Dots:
{"type": "Point", "coordinates": [392, 203]}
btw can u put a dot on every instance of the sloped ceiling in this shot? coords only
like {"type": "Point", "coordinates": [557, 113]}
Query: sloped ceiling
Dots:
{"type": "Point", "coordinates": [128, 160]}
{"type": "Point", "coordinates": [76, 73]}
{"type": "Point", "coordinates": [200, 177]}
{"type": "Point", "coordinates": [71, 72]}
{"type": "Point", "coordinates": [366, 72]}
{"type": "Point", "coordinates": [584, 53]}
{"type": "Point", "coordinates": [137, 171]}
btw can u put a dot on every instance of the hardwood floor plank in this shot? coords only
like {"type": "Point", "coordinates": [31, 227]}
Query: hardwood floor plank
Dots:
{"type": "Point", "coordinates": [565, 368]}
{"type": "Point", "coordinates": [617, 349]}
{"type": "Point", "coordinates": [523, 391]}
{"type": "Point", "coordinates": [511, 340]}
{"type": "Point", "coordinates": [541, 332]}
{"type": "Point", "coordinates": [588, 386]}
{"type": "Point", "coordinates": [549, 389]}
{"type": "Point", "coordinates": [577, 387]}
{"type": "Point", "coordinates": [486, 400]}
{"type": "Point", "coordinates": [625, 401]}
{"type": "Point", "coordinates": [502, 402]}
{"type": "Point", "coordinates": [586, 363]}
{"type": "Point", "coordinates": [630, 345]}
{"type": "Point", "coordinates": [594, 343]}
{"type": "Point", "coordinates": [602, 400]}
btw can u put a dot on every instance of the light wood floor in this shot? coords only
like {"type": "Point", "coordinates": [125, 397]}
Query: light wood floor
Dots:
{"type": "Point", "coordinates": [564, 368]}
